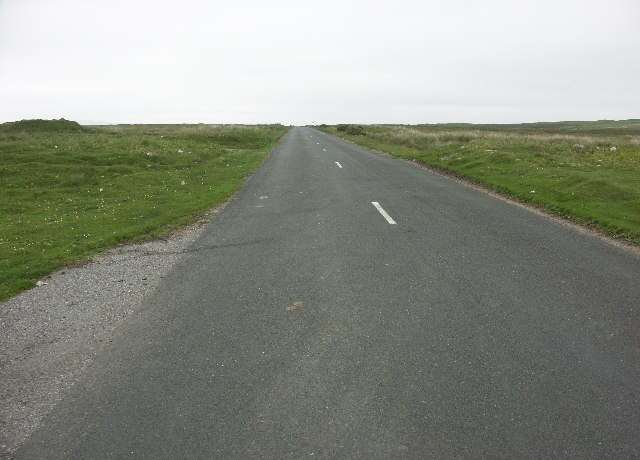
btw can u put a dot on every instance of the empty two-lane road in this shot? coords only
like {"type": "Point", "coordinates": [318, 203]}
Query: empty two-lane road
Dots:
{"type": "Point", "coordinates": [346, 304]}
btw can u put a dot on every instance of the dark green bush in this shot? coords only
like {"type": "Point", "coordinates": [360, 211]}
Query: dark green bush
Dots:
{"type": "Point", "coordinates": [355, 130]}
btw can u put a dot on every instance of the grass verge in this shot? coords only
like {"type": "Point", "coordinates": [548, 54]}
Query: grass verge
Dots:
{"type": "Point", "coordinates": [588, 172]}
{"type": "Point", "coordinates": [70, 191]}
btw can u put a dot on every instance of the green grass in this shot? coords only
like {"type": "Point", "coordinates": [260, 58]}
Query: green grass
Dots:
{"type": "Point", "coordinates": [70, 191]}
{"type": "Point", "coordinates": [586, 171]}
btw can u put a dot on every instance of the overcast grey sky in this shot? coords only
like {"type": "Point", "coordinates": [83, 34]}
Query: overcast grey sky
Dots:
{"type": "Point", "coordinates": [297, 62]}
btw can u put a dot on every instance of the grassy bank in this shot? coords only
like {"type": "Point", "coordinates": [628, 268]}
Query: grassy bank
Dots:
{"type": "Point", "coordinates": [587, 171]}
{"type": "Point", "coordinates": [69, 191]}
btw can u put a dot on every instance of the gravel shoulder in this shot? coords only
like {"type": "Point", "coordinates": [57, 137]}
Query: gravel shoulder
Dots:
{"type": "Point", "coordinates": [50, 334]}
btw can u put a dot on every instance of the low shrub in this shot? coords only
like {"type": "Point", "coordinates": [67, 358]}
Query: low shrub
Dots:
{"type": "Point", "coordinates": [354, 130]}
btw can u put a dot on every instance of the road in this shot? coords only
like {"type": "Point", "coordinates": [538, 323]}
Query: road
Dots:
{"type": "Point", "coordinates": [305, 323]}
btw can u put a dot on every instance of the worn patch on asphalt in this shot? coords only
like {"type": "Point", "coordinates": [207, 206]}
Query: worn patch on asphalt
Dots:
{"type": "Point", "coordinates": [295, 305]}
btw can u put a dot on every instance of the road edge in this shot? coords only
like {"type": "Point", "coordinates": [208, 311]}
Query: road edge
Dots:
{"type": "Point", "coordinates": [533, 208]}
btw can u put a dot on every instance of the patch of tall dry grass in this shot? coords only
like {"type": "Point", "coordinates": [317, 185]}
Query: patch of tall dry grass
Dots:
{"type": "Point", "coordinates": [418, 138]}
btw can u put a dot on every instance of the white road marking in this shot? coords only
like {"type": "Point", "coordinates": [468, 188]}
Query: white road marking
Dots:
{"type": "Point", "coordinates": [339, 165]}
{"type": "Point", "coordinates": [383, 212]}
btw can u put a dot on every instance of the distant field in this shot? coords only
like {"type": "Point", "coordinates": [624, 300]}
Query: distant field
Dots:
{"type": "Point", "coordinates": [69, 191]}
{"type": "Point", "coordinates": [587, 171]}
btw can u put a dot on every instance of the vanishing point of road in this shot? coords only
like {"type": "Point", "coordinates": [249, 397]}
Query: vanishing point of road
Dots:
{"type": "Point", "coordinates": [346, 304]}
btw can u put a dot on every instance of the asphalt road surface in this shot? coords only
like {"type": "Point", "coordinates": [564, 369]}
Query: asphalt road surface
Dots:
{"type": "Point", "coordinates": [308, 321]}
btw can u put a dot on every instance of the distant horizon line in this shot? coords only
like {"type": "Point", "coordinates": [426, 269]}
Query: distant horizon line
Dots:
{"type": "Point", "coordinates": [105, 123]}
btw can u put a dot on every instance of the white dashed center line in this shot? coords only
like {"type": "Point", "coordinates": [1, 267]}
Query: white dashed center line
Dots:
{"type": "Point", "coordinates": [339, 165]}
{"type": "Point", "coordinates": [383, 212]}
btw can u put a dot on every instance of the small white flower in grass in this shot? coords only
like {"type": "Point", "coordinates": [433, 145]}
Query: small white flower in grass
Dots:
{"type": "Point", "coordinates": [180, 151]}
{"type": "Point", "coordinates": [55, 146]}
{"type": "Point", "coordinates": [532, 191]}
{"type": "Point", "coordinates": [613, 149]}
{"type": "Point", "coordinates": [183, 183]}
{"type": "Point", "coordinates": [101, 189]}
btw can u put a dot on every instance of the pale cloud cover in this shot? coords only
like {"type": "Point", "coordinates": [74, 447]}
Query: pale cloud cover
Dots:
{"type": "Point", "coordinates": [296, 62]}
